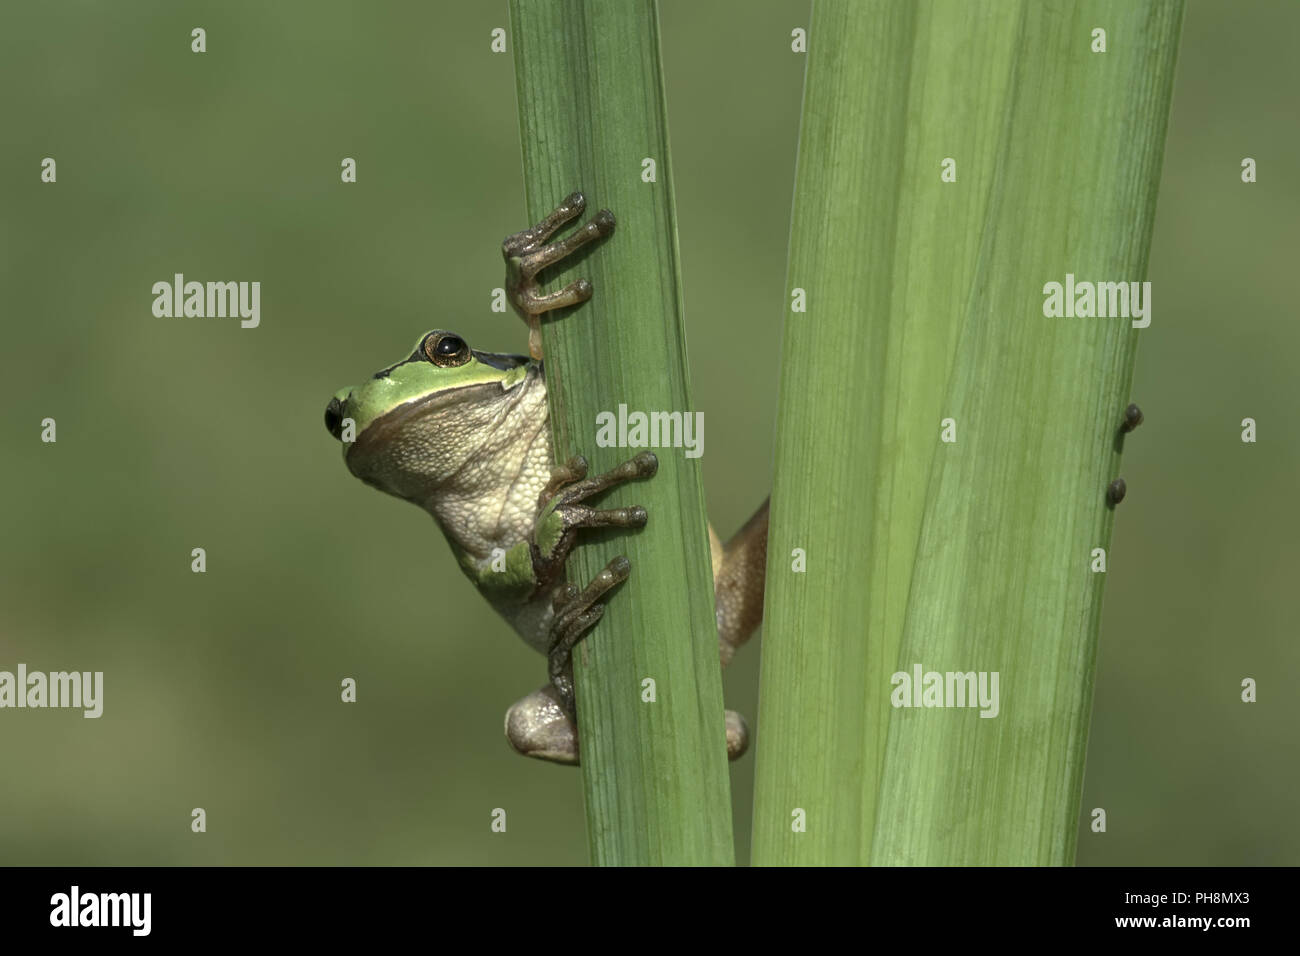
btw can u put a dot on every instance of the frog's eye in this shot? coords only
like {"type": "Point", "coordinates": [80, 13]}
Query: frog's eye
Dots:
{"type": "Point", "coordinates": [446, 350]}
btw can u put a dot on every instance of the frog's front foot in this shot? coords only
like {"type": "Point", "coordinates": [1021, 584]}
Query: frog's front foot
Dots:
{"type": "Point", "coordinates": [563, 511]}
{"type": "Point", "coordinates": [529, 252]}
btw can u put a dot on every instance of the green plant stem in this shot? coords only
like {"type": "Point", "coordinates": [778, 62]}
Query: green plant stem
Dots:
{"type": "Point", "coordinates": [591, 109]}
{"type": "Point", "coordinates": [925, 302]}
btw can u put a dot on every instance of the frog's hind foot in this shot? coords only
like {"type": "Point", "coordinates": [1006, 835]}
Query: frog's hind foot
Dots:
{"type": "Point", "coordinates": [544, 724]}
{"type": "Point", "coordinates": [576, 613]}
{"type": "Point", "coordinates": [737, 735]}
{"type": "Point", "coordinates": [537, 726]}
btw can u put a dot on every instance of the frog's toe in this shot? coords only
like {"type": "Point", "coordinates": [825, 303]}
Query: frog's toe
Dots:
{"type": "Point", "coordinates": [516, 245]}
{"type": "Point", "coordinates": [581, 516]}
{"type": "Point", "coordinates": [536, 259]}
{"type": "Point", "coordinates": [535, 303]}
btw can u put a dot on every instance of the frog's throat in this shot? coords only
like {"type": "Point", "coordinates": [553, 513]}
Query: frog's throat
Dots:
{"type": "Point", "coordinates": [381, 432]}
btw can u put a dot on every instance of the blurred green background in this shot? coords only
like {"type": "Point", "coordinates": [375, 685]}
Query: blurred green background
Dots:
{"type": "Point", "coordinates": [222, 689]}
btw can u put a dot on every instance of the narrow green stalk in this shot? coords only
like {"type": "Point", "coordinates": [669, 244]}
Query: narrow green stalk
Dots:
{"type": "Point", "coordinates": [925, 303]}
{"type": "Point", "coordinates": [591, 110]}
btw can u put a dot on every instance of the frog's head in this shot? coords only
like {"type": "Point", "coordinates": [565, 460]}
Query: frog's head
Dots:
{"type": "Point", "coordinates": [422, 426]}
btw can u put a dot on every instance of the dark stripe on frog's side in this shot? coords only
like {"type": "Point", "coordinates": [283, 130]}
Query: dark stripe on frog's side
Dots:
{"type": "Point", "coordinates": [416, 356]}
{"type": "Point", "coordinates": [500, 360]}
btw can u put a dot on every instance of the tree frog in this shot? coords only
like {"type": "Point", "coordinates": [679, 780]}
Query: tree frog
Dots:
{"type": "Point", "coordinates": [465, 435]}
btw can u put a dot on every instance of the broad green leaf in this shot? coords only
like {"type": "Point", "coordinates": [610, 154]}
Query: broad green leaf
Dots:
{"type": "Point", "coordinates": [925, 302]}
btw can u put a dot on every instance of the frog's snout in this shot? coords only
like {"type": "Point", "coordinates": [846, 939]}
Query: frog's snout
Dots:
{"type": "Point", "coordinates": [334, 417]}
